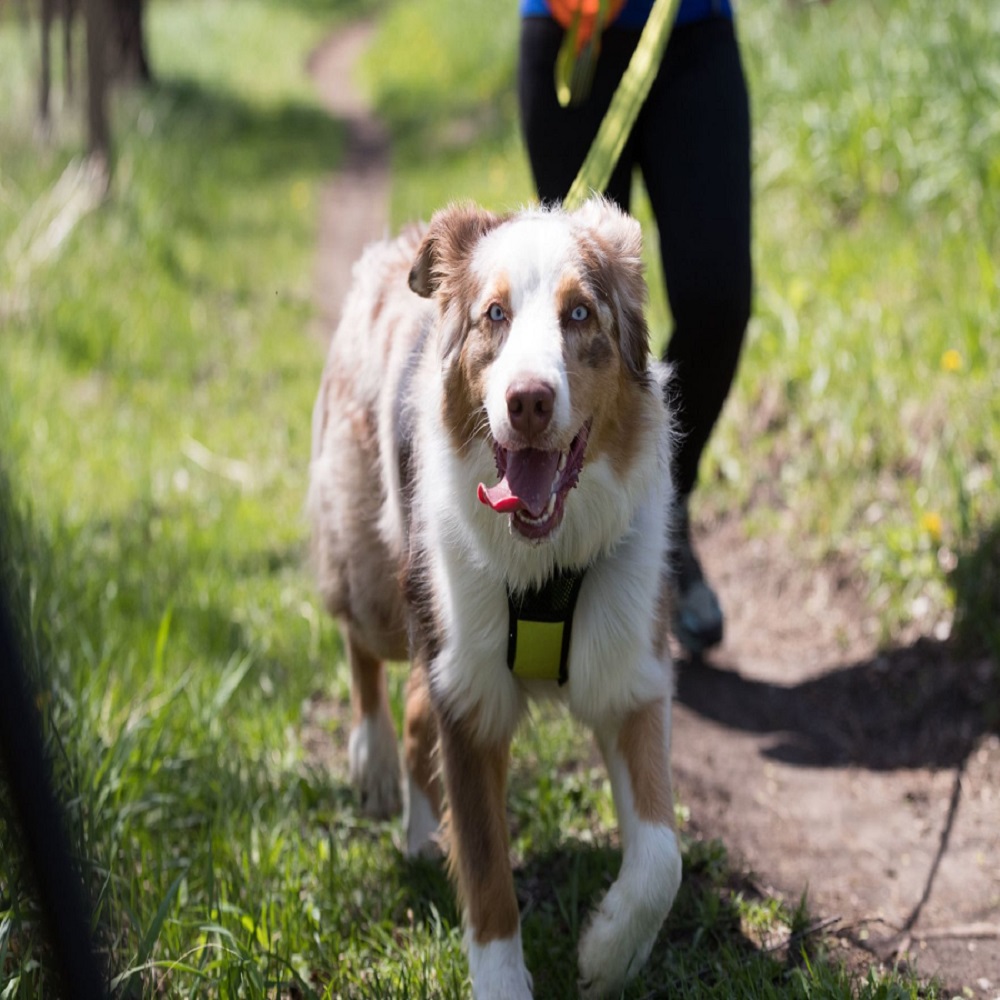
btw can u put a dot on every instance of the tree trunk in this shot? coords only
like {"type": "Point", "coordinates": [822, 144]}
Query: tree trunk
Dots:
{"type": "Point", "coordinates": [98, 131]}
{"type": "Point", "coordinates": [47, 15]}
{"type": "Point", "coordinates": [69, 14]}
{"type": "Point", "coordinates": [132, 64]}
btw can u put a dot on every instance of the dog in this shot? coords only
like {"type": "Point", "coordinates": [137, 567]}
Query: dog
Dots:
{"type": "Point", "coordinates": [489, 495]}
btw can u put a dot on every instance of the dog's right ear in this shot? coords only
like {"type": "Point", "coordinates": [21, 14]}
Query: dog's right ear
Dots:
{"type": "Point", "coordinates": [451, 236]}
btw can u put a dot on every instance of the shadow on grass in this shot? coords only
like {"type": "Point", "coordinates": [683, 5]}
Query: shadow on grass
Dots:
{"type": "Point", "coordinates": [231, 134]}
{"type": "Point", "coordinates": [976, 583]}
{"type": "Point", "coordinates": [448, 130]}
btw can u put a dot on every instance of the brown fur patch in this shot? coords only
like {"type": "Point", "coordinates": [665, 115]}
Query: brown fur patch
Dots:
{"type": "Point", "coordinates": [661, 620]}
{"type": "Point", "coordinates": [597, 352]}
{"type": "Point", "coordinates": [587, 339]}
{"type": "Point", "coordinates": [476, 781]}
{"type": "Point", "coordinates": [620, 407]}
{"type": "Point", "coordinates": [426, 630]}
{"type": "Point", "coordinates": [642, 742]}
{"type": "Point", "coordinates": [450, 237]}
{"type": "Point", "coordinates": [607, 355]}
{"type": "Point", "coordinates": [465, 389]}
{"type": "Point", "coordinates": [635, 414]}
{"type": "Point", "coordinates": [420, 737]}
{"type": "Point", "coordinates": [368, 690]}
{"type": "Point", "coordinates": [620, 285]}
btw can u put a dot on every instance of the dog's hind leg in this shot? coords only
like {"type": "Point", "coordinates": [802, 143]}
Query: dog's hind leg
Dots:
{"type": "Point", "coordinates": [624, 927]}
{"type": "Point", "coordinates": [475, 778]}
{"type": "Point", "coordinates": [423, 783]}
{"type": "Point", "coordinates": [372, 751]}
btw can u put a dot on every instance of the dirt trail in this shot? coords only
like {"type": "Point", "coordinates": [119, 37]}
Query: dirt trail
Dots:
{"type": "Point", "coordinates": [866, 778]}
{"type": "Point", "coordinates": [354, 202]}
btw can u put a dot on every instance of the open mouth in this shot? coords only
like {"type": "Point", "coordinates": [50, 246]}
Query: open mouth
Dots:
{"type": "Point", "coordinates": [534, 484]}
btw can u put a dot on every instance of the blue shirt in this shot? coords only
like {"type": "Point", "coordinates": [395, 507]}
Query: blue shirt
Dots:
{"type": "Point", "coordinates": [635, 12]}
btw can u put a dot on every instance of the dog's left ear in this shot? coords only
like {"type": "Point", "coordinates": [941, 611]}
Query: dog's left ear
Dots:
{"type": "Point", "coordinates": [452, 234]}
{"type": "Point", "coordinates": [617, 238]}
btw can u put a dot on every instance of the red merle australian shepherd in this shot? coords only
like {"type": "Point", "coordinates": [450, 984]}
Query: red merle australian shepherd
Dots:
{"type": "Point", "coordinates": [489, 493]}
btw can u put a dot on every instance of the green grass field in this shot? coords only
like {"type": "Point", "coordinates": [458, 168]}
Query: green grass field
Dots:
{"type": "Point", "coordinates": [157, 379]}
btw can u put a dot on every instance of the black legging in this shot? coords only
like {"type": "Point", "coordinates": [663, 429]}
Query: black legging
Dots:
{"type": "Point", "coordinates": [692, 144]}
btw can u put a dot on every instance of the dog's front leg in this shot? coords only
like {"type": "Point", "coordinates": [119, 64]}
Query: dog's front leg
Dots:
{"type": "Point", "coordinates": [623, 929]}
{"type": "Point", "coordinates": [423, 791]}
{"type": "Point", "coordinates": [475, 775]}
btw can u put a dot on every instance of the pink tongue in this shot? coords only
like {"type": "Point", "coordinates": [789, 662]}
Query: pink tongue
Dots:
{"type": "Point", "coordinates": [527, 484]}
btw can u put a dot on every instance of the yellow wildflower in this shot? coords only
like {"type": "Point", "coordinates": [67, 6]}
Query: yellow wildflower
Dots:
{"type": "Point", "coordinates": [931, 524]}
{"type": "Point", "coordinates": [951, 360]}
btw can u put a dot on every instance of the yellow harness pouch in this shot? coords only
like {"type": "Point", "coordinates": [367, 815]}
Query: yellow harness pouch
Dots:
{"type": "Point", "coordinates": [541, 628]}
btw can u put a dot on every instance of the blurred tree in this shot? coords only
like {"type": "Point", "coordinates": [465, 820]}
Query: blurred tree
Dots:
{"type": "Point", "coordinates": [115, 51]}
{"type": "Point", "coordinates": [98, 131]}
{"type": "Point", "coordinates": [47, 15]}
{"type": "Point", "coordinates": [129, 60]}
{"type": "Point", "coordinates": [48, 10]}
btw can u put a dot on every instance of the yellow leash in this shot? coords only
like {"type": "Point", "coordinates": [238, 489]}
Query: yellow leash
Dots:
{"type": "Point", "coordinates": [632, 90]}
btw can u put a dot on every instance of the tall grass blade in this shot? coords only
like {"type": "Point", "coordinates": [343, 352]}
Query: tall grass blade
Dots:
{"type": "Point", "coordinates": [231, 680]}
{"type": "Point", "coordinates": [162, 634]}
{"type": "Point", "coordinates": [156, 925]}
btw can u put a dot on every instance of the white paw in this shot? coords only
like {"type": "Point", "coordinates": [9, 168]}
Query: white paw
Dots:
{"type": "Point", "coordinates": [614, 947]}
{"type": "Point", "coordinates": [623, 929]}
{"type": "Point", "coordinates": [498, 970]}
{"type": "Point", "coordinates": [420, 823]}
{"type": "Point", "coordinates": [374, 765]}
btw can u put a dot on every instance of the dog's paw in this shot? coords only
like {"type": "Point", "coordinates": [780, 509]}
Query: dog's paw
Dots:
{"type": "Point", "coordinates": [374, 766]}
{"type": "Point", "coordinates": [498, 970]}
{"type": "Point", "coordinates": [624, 927]}
{"type": "Point", "coordinates": [614, 946]}
{"type": "Point", "coordinates": [513, 987]}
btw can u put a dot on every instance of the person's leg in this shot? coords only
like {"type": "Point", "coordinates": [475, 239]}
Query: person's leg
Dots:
{"type": "Point", "coordinates": [694, 152]}
{"type": "Point", "coordinates": [693, 146]}
{"type": "Point", "coordinates": [558, 138]}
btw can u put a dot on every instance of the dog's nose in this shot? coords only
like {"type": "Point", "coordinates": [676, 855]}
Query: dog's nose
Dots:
{"type": "Point", "coordinates": [529, 406]}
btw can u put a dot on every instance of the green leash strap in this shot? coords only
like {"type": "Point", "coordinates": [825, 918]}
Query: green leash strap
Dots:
{"type": "Point", "coordinates": [632, 90]}
{"type": "Point", "coordinates": [541, 628]}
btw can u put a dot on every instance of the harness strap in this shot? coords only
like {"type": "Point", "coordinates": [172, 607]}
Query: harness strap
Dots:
{"type": "Point", "coordinates": [541, 627]}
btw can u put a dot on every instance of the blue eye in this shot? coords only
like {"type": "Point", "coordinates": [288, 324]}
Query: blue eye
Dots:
{"type": "Point", "coordinates": [579, 314]}
{"type": "Point", "coordinates": [496, 313]}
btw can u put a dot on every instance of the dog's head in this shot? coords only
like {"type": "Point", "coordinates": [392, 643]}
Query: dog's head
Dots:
{"type": "Point", "coordinates": [544, 346]}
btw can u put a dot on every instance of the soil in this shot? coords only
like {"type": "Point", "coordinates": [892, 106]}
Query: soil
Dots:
{"type": "Point", "coordinates": [354, 202]}
{"type": "Point", "coordinates": [863, 777]}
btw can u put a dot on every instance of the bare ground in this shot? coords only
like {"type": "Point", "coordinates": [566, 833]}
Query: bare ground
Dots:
{"type": "Point", "coordinates": [863, 777]}
{"type": "Point", "coordinates": [354, 202]}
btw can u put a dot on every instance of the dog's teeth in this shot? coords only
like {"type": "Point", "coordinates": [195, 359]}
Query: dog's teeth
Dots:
{"type": "Point", "coordinates": [563, 458]}
{"type": "Point", "coordinates": [551, 509]}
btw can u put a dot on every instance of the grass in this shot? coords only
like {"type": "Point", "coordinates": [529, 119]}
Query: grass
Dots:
{"type": "Point", "coordinates": [157, 384]}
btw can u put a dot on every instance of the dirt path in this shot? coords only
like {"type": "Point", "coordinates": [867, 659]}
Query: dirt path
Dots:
{"type": "Point", "coordinates": [864, 778]}
{"type": "Point", "coordinates": [354, 202]}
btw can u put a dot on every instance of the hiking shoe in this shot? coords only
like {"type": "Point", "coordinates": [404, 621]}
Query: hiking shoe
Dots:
{"type": "Point", "coordinates": [697, 618]}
